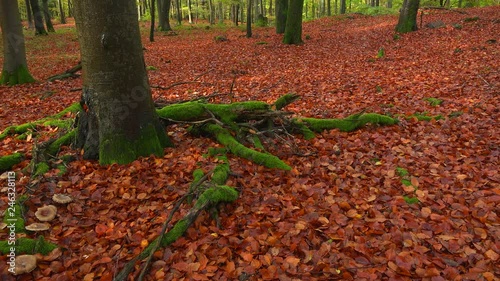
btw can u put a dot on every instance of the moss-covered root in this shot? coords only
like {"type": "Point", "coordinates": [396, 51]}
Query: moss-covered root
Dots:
{"type": "Point", "coordinates": [225, 138]}
{"type": "Point", "coordinates": [6, 162]}
{"type": "Point", "coordinates": [20, 129]}
{"type": "Point", "coordinates": [210, 197]}
{"type": "Point", "coordinates": [66, 139]}
{"type": "Point", "coordinates": [347, 124]}
{"type": "Point", "coordinates": [19, 76]}
{"type": "Point", "coordinates": [28, 246]}
{"type": "Point", "coordinates": [284, 100]}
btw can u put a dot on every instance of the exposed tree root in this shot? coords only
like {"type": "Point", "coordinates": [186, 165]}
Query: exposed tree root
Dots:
{"type": "Point", "coordinates": [70, 73]}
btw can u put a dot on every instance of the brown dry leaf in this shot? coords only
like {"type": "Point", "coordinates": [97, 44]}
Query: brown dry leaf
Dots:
{"type": "Point", "coordinates": [292, 260]}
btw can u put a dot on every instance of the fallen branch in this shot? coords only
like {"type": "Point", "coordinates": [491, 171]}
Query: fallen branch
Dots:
{"type": "Point", "coordinates": [67, 74]}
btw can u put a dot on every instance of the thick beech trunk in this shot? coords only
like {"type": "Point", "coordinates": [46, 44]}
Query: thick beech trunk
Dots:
{"type": "Point", "coordinates": [293, 28]}
{"type": "Point", "coordinates": [281, 12]}
{"type": "Point", "coordinates": [119, 122]}
{"type": "Point", "coordinates": [37, 15]}
{"type": "Point", "coordinates": [15, 70]}
{"type": "Point", "coordinates": [163, 12]}
{"type": "Point", "coordinates": [408, 16]}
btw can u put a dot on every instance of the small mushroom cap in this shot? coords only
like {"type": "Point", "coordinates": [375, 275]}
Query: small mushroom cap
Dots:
{"type": "Point", "coordinates": [25, 264]}
{"type": "Point", "coordinates": [38, 226]}
{"type": "Point", "coordinates": [46, 213]}
{"type": "Point", "coordinates": [61, 198]}
{"type": "Point", "coordinates": [2, 225]}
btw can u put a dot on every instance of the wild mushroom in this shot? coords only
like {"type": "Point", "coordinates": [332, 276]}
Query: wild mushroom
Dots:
{"type": "Point", "coordinates": [61, 198]}
{"type": "Point", "coordinates": [25, 264]}
{"type": "Point", "coordinates": [38, 226]}
{"type": "Point", "coordinates": [46, 213]}
{"type": "Point", "coordinates": [2, 225]}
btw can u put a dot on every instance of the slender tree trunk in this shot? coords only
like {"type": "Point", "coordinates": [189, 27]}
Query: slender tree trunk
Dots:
{"type": "Point", "coordinates": [329, 8]}
{"type": "Point", "coordinates": [342, 6]}
{"type": "Point", "coordinates": [70, 9]}
{"type": "Point", "coordinates": [271, 8]}
{"type": "Point", "coordinates": [281, 13]}
{"type": "Point", "coordinates": [293, 29]}
{"type": "Point", "coordinates": [37, 15]}
{"type": "Point", "coordinates": [61, 12]}
{"type": "Point", "coordinates": [408, 16]}
{"type": "Point", "coordinates": [221, 13]}
{"type": "Point", "coordinates": [15, 69]}
{"type": "Point", "coordinates": [389, 4]}
{"type": "Point", "coordinates": [119, 122]}
{"type": "Point", "coordinates": [47, 16]}
{"type": "Point", "coordinates": [179, 12]}
{"type": "Point", "coordinates": [190, 13]}
{"type": "Point", "coordinates": [29, 14]}
{"type": "Point", "coordinates": [249, 18]}
{"type": "Point", "coordinates": [152, 29]}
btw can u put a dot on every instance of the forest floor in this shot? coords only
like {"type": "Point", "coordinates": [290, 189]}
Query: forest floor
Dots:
{"type": "Point", "coordinates": [347, 210]}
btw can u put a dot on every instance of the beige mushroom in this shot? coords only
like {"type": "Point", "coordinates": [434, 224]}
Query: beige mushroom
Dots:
{"type": "Point", "coordinates": [61, 198]}
{"type": "Point", "coordinates": [46, 213]}
{"type": "Point", "coordinates": [2, 225]}
{"type": "Point", "coordinates": [38, 226]}
{"type": "Point", "coordinates": [25, 264]}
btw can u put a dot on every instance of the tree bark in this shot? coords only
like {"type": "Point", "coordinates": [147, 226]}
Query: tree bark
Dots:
{"type": "Point", "coordinates": [29, 14]}
{"type": "Point", "coordinates": [163, 12]}
{"type": "Point", "coordinates": [119, 122]}
{"type": "Point", "coordinates": [249, 18]}
{"type": "Point", "coordinates": [281, 12]}
{"type": "Point", "coordinates": [343, 7]}
{"type": "Point", "coordinates": [61, 11]}
{"type": "Point", "coordinates": [15, 69]}
{"type": "Point", "coordinates": [152, 29]}
{"type": "Point", "coordinates": [47, 17]}
{"type": "Point", "coordinates": [293, 28]}
{"type": "Point", "coordinates": [37, 15]}
{"type": "Point", "coordinates": [408, 16]}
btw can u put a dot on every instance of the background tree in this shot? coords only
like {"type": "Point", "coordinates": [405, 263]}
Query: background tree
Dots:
{"type": "Point", "coordinates": [61, 11]}
{"type": "Point", "coordinates": [293, 28]}
{"type": "Point", "coordinates": [47, 16]}
{"type": "Point", "coordinates": [15, 69]}
{"type": "Point", "coordinates": [37, 15]}
{"type": "Point", "coordinates": [163, 12]}
{"type": "Point", "coordinates": [29, 14]}
{"type": "Point", "coordinates": [152, 28]}
{"type": "Point", "coordinates": [249, 18]}
{"type": "Point", "coordinates": [408, 16]}
{"type": "Point", "coordinates": [281, 13]}
{"type": "Point", "coordinates": [119, 122]}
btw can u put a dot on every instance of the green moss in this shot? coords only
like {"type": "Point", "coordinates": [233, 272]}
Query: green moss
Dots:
{"type": "Point", "coordinates": [189, 111]}
{"type": "Point", "coordinates": [118, 149]}
{"type": "Point", "coordinates": [217, 194]}
{"type": "Point", "coordinates": [73, 108]}
{"type": "Point", "coordinates": [406, 182]}
{"type": "Point", "coordinates": [225, 138]}
{"type": "Point", "coordinates": [19, 76]}
{"type": "Point", "coordinates": [220, 174]}
{"type": "Point", "coordinates": [424, 117]}
{"type": "Point", "coordinates": [381, 53]}
{"type": "Point", "coordinates": [349, 123]}
{"type": "Point", "coordinates": [62, 169]}
{"type": "Point", "coordinates": [41, 168]}
{"type": "Point", "coordinates": [410, 200]}
{"type": "Point", "coordinates": [229, 113]}
{"type": "Point", "coordinates": [29, 246]}
{"type": "Point", "coordinates": [177, 231]}
{"type": "Point", "coordinates": [14, 215]}
{"type": "Point", "coordinates": [197, 175]}
{"type": "Point", "coordinates": [6, 162]}
{"type": "Point", "coordinates": [284, 100]}
{"type": "Point", "coordinates": [257, 143]}
{"type": "Point", "coordinates": [434, 101]}
{"type": "Point", "coordinates": [54, 147]}
{"type": "Point", "coordinates": [64, 124]}
{"type": "Point", "coordinates": [150, 67]}
{"type": "Point", "coordinates": [402, 172]}
{"type": "Point", "coordinates": [303, 129]}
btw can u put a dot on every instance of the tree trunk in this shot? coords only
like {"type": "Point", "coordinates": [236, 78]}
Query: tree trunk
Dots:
{"type": "Point", "coordinates": [179, 12]}
{"type": "Point", "coordinates": [293, 28]}
{"type": "Point", "coordinates": [152, 28]}
{"type": "Point", "coordinates": [329, 8]}
{"type": "Point", "coordinates": [37, 15]}
{"type": "Point", "coordinates": [249, 18]}
{"type": "Point", "coordinates": [342, 6]}
{"type": "Point", "coordinates": [163, 12]}
{"type": "Point", "coordinates": [29, 14]}
{"type": "Point", "coordinates": [408, 16]}
{"type": "Point", "coordinates": [270, 7]}
{"type": "Point", "coordinates": [70, 9]}
{"type": "Point", "coordinates": [190, 13]}
{"type": "Point", "coordinates": [47, 17]}
{"type": "Point", "coordinates": [61, 11]}
{"type": "Point", "coordinates": [119, 122]}
{"type": "Point", "coordinates": [389, 4]}
{"type": "Point", "coordinates": [15, 69]}
{"type": "Point", "coordinates": [281, 12]}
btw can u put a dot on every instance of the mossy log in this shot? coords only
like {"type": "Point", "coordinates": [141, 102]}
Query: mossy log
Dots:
{"type": "Point", "coordinates": [8, 161]}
